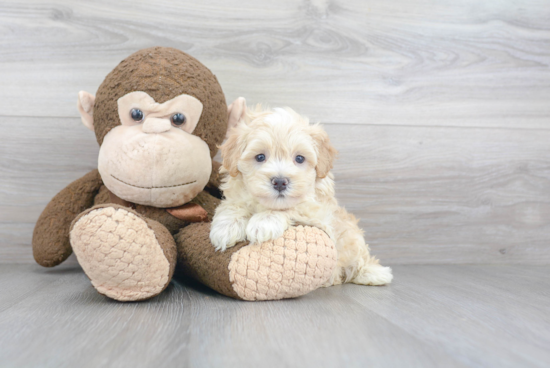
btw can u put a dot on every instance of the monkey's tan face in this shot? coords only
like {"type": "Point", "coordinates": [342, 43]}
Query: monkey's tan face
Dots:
{"type": "Point", "coordinates": [153, 158]}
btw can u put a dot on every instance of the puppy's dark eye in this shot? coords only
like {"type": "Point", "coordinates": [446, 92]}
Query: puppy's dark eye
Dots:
{"type": "Point", "coordinates": [136, 114]}
{"type": "Point", "coordinates": [260, 157]}
{"type": "Point", "coordinates": [178, 119]}
{"type": "Point", "coordinates": [300, 159]}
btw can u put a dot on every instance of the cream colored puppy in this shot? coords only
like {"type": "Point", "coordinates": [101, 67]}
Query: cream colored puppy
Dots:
{"type": "Point", "coordinates": [277, 168]}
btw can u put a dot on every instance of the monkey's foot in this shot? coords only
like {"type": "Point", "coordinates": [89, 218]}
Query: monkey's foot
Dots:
{"type": "Point", "coordinates": [126, 256]}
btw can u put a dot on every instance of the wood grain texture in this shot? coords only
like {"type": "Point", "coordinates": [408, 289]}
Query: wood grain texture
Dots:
{"type": "Point", "coordinates": [38, 158]}
{"type": "Point", "coordinates": [440, 110]}
{"type": "Point", "coordinates": [432, 316]}
{"type": "Point", "coordinates": [486, 316]}
{"type": "Point", "coordinates": [447, 195]}
{"type": "Point", "coordinates": [423, 194]}
{"type": "Point", "coordinates": [466, 63]}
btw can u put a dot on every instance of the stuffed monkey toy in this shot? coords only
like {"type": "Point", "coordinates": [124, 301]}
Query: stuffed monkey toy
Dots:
{"type": "Point", "coordinates": [144, 213]}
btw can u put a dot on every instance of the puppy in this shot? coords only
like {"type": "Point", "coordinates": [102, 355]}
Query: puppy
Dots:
{"type": "Point", "coordinates": [277, 174]}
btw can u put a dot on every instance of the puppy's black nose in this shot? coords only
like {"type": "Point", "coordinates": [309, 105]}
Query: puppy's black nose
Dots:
{"type": "Point", "coordinates": [279, 183]}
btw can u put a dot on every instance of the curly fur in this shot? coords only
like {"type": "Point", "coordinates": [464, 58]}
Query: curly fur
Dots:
{"type": "Point", "coordinates": [253, 209]}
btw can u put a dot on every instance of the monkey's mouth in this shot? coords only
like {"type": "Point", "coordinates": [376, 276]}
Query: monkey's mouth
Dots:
{"type": "Point", "coordinates": [162, 187]}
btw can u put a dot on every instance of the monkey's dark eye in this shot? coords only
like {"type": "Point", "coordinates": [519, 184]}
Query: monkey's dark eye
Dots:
{"type": "Point", "coordinates": [300, 159]}
{"type": "Point", "coordinates": [136, 114]}
{"type": "Point", "coordinates": [260, 157]}
{"type": "Point", "coordinates": [178, 119]}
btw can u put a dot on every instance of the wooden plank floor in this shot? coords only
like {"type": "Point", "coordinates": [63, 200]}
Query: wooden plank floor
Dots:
{"type": "Point", "coordinates": [432, 316]}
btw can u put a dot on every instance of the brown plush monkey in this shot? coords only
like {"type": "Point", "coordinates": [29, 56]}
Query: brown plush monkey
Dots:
{"type": "Point", "coordinates": [158, 117]}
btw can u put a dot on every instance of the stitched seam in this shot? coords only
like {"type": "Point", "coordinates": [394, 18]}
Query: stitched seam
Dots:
{"type": "Point", "coordinates": [168, 186]}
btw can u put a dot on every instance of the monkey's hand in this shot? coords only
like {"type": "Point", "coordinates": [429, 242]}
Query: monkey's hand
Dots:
{"type": "Point", "coordinates": [50, 240]}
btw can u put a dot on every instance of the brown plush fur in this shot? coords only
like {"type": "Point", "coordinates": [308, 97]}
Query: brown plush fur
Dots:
{"type": "Point", "coordinates": [163, 73]}
{"type": "Point", "coordinates": [173, 224]}
{"type": "Point", "coordinates": [50, 239]}
{"type": "Point", "coordinates": [51, 244]}
{"type": "Point", "coordinates": [203, 263]}
{"type": "Point", "coordinates": [167, 243]}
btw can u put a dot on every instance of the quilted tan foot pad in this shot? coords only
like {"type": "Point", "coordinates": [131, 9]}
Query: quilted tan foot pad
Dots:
{"type": "Point", "coordinates": [120, 254]}
{"type": "Point", "coordinates": [291, 266]}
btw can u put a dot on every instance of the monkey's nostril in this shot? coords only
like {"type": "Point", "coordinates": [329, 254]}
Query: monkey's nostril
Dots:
{"type": "Point", "coordinates": [280, 183]}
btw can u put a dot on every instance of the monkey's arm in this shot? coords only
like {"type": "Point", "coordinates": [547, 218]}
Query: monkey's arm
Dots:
{"type": "Point", "coordinates": [50, 241]}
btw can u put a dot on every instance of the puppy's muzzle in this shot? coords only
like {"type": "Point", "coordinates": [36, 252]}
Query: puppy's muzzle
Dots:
{"type": "Point", "coordinates": [280, 183]}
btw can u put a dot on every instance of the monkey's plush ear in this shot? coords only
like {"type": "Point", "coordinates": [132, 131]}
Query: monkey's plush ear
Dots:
{"type": "Point", "coordinates": [326, 153]}
{"type": "Point", "coordinates": [236, 112]}
{"type": "Point", "coordinates": [86, 108]}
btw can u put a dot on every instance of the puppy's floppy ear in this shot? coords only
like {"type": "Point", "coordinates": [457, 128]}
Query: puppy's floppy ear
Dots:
{"type": "Point", "coordinates": [236, 112]}
{"type": "Point", "coordinates": [231, 150]}
{"type": "Point", "coordinates": [326, 153]}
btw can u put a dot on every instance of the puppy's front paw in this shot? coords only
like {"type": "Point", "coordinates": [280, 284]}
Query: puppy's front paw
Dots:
{"type": "Point", "coordinates": [227, 233]}
{"type": "Point", "coordinates": [266, 226]}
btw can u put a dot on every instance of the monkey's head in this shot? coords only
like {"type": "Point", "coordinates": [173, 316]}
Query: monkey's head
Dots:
{"type": "Point", "coordinates": [158, 118]}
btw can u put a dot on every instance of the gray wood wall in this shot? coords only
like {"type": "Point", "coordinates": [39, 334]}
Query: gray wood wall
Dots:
{"type": "Point", "coordinates": [440, 109]}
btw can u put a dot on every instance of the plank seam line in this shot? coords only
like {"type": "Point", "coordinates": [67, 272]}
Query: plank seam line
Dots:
{"type": "Point", "coordinates": [335, 123]}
